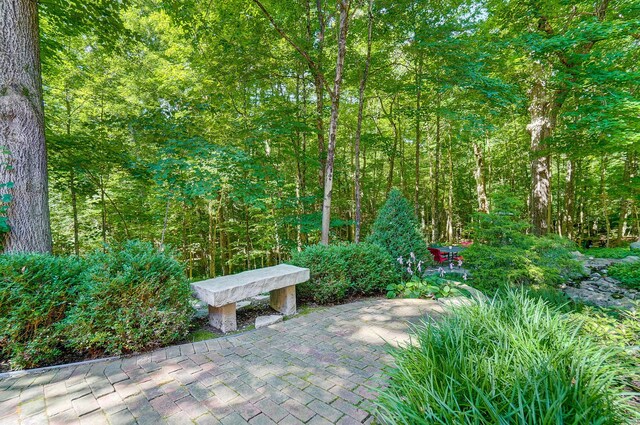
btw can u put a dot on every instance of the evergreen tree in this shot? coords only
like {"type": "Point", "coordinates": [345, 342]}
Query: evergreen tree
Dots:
{"type": "Point", "coordinates": [396, 230]}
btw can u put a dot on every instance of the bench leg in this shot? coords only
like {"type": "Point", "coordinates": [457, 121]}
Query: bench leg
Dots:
{"type": "Point", "coordinates": [223, 318]}
{"type": "Point", "coordinates": [284, 300]}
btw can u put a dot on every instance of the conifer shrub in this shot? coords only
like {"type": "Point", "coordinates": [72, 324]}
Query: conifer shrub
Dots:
{"type": "Point", "coordinates": [396, 231]}
{"type": "Point", "coordinates": [344, 270]}
{"type": "Point", "coordinates": [512, 360]}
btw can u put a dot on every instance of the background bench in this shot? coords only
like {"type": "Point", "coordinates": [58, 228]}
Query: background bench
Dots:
{"type": "Point", "coordinates": [222, 293]}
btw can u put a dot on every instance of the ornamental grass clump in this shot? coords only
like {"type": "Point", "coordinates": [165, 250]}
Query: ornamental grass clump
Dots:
{"type": "Point", "coordinates": [514, 360]}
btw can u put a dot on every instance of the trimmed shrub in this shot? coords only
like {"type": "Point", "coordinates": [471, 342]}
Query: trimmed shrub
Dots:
{"type": "Point", "coordinates": [514, 360]}
{"type": "Point", "coordinates": [133, 298]}
{"type": "Point", "coordinates": [627, 273]}
{"type": "Point", "coordinates": [396, 230]}
{"type": "Point", "coordinates": [52, 309]}
{"type": "Point", "coordinates": [36, 292]}
{"type": "Point", "coordinates": [344, 270]}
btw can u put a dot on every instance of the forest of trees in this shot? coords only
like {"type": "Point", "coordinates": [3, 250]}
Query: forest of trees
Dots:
{"type": "Point", "coordinates": [237, 131]}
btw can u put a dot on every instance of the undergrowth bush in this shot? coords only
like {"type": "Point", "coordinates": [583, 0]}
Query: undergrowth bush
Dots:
{"type": "Point", "coordinates": [541, 261]}
{"type": "Point", "coordinates": [343, 270]}
{"type": "Point", "coordinates": [514, 360]}
{"type": "Point", "coordinates": [396, 230]}
{"type": "Point", "coordinates": [627, 273]}
{"type": "Point", "coordinates": [57, 308]}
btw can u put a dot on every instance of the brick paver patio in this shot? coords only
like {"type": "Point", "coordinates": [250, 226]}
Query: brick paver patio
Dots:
{"type": "Point", "coordinates": [320, 368]}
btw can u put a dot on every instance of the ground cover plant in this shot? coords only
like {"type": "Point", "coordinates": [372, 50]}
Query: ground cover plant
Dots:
{"type": "Point", "coordinates": [503, 254]}
{"type": "Point", "coordinates": [343, 270]}
{"type": "Point", "coordinates": [53, 308]}
{"type": "Point", "coordinates": [512, 360]}
{"type": "Point", "coordinates": [618, 252]}
{"type": "Point", "coordinates": [627, 273]}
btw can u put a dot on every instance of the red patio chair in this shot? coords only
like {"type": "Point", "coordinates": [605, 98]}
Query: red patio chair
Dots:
{"type": "Point", "coordinates": [437, 255]}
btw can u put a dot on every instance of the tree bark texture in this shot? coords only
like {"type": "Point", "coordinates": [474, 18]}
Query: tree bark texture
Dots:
{"type": "Point", "coordinates": [543, 118]}
{"type": "Point", "coordinates": [24, 162]}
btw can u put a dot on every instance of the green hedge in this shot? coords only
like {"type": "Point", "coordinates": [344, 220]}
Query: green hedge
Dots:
{"type": "Point", "coordinates": [514, 360]}
{"type": "Point", "coordinates": [344, 270]}
{"type": "Point", "coordinates": [130, 298]}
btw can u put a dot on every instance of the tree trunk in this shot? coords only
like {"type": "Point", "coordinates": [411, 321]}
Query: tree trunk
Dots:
{"type": "Point", "coordinates": [356, 143]}
{"type": "Point", "coordinates": [625, 203]}
{"type": "Point", "coordinates": [604, 199]}
{"type": "Point", "coordinates": [540, 127]}
{"type": "Point", "coordinates": [416, 199]}
{"type": "Point", "coordinates": [478, 174]}
{"type": "Point", "coordinates": [569, 201]}
{"type": "Point", "coordinates": [450, 194]}
{"type": "Point", "coordinates": [24, 168]}
{"type": "Point", "coordinates": [333, 124]}
{"type": "Point", "coordinates": [436, 177]}
{"type": "Point", "coordinates": [103, 205]}
{"type": "Point", "coordinates": [74, 212]}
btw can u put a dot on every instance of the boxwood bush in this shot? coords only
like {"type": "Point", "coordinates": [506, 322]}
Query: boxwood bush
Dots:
{"type": "Point", "coordinates": [514, 360]}
{"type": "Point", "coordinates": [53, 309]}
{"type": "Point", "coordinates": [344, 270]}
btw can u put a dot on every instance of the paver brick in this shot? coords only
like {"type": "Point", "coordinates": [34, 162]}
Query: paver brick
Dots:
{"type": "Point", "coordinates": [326, 411]}
{"type": "Point", "coordinates": [315, 369]}
{"type": "Point", "coordinates": [298, 410]}
{"type": "Point", "coordinates": [85, 404]}
{"type": "Point", "coordinates": [271, 409]}
{"type": "Point", "coordinates": [261, 419]}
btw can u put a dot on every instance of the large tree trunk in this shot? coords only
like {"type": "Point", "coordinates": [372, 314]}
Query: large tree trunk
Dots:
{"type": "Point", "coordinates": [356, 143]}
{"type": "Point", "coordinates": [333, 124]}
{"type": "Point", "coordinates": [540, 127]}
{"type": "Point", "coordinates": [478, 174]}
{"type": "Point", "coordinates": [23, 170]}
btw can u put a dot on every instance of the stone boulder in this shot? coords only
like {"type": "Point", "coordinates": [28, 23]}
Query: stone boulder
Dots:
{"type": "Point", "coordinates": [635, 245]}
{"type": "Point", "coordinates": [262, 321]}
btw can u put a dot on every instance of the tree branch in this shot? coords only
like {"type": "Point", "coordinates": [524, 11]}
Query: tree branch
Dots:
{"type": "Point", "coordinates": [312, 65]}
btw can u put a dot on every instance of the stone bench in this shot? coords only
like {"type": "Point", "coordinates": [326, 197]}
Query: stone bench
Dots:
{"type": "Point", "coordinates": [222, 293]}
